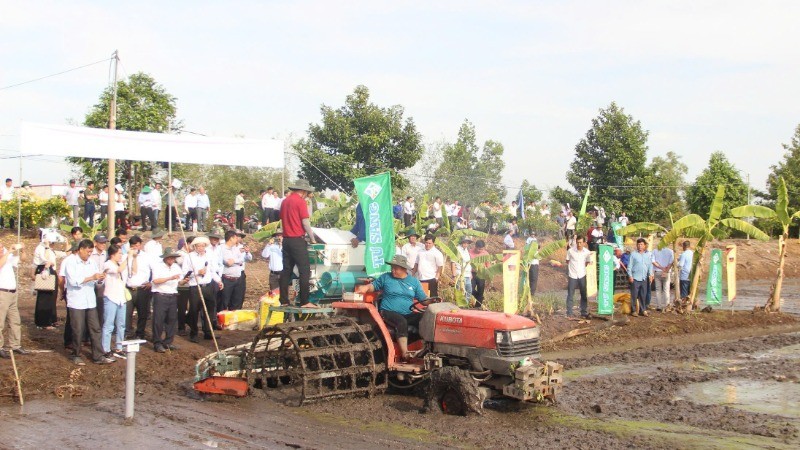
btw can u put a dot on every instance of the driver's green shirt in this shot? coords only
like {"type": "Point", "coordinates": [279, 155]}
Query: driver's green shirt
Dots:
{"type": "Point", "coordinates": [398, 293]}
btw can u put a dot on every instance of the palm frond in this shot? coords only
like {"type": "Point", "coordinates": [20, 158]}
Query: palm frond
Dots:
{"type": "Point", "coordinates": [551, 248]}
{"type": "Point", "coordinates": [639, 227]}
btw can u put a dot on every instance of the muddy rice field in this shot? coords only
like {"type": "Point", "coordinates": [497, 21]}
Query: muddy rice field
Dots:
{"type": "Point", "coordinates": [724, 379]}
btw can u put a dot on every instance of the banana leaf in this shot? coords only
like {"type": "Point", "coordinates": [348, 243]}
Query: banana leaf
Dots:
{"type": "Point", "coordinates": [267, 231]}
{"type": "Point", "coordinates": [782, 206]}
{"type": "Point", "coordinates": [744, 227]}
{"type": "Point", "coordinates": [716, 207]}
{"type": "Point", "coordinates": [759, 211]}
{"type": "Point", "coordinates": [639, 227]}
{"type": "Point", "coordinates": [458, 234]}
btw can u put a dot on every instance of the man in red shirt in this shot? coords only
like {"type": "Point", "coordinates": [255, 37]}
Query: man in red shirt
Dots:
{"type": "Point", "coordinates": [296, 225]}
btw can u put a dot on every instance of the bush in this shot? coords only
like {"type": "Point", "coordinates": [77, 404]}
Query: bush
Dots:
{"type": "Point", "coordinates": [544, 304]}
{"type": "Point", "coordinates": [36, 212]}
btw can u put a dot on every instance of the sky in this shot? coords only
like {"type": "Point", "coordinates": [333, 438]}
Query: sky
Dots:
{"type": "Point", "coordinates": [700, 76]}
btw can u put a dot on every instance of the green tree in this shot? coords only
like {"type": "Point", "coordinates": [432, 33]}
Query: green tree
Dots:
{"type": "Point", "coordinates": [611, 157]}
{"type": "Point", "coordinates": [701, 194]}
{"type": "Point", "coordinates": [789, 170]}
{"type": "Point", "coordinates": [142, 105]}
{"type": "Point", "coordinates": [530, 193]}
{"type": "Point", "coordinates": [357, 140]}
{"type": "Point", "coordinates": [667, 180]}
{"type": "Point", "coordinates": [468, 173]}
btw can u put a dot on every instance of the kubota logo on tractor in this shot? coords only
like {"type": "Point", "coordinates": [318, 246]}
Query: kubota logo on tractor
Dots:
{"type": "Point", "coordinates": [450, 319]}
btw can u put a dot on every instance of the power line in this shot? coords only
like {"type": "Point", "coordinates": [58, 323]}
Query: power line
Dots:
{"type": "Point", "coordinates": [54, 75]}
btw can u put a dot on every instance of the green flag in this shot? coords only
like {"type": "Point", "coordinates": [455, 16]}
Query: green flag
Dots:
{"type": "Point", "coordinates": [375, 196]}
{"type": "Point", "coordinates": [714, 286]}
{"type": "Point", "coordinates": [585, 200]}
{"type": "Point", "coordinates": [605, 292]}
{"type": "Point", "coordinates": [619, 239]}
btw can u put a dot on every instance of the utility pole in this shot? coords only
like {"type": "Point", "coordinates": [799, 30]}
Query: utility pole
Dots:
{"type": "Point", "coordinates": [112, 176]}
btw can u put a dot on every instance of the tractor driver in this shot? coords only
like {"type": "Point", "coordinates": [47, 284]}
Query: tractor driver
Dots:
{"type": "Point", "coordinates": [399, 291]}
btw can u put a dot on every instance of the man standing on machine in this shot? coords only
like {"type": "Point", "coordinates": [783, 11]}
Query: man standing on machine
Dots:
{"type": "Point", "coordinates": [296, 225]}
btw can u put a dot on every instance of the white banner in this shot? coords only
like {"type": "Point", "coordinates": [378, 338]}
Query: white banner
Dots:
{"type": "Point", "coordinates": [66, 140]}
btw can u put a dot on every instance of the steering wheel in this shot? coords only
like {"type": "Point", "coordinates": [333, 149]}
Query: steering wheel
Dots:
{"type": "Point", "coordinates": [420, 306]}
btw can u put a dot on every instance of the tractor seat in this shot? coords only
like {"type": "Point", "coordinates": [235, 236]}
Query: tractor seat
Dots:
{"type": "Point", "coordinates": [413, 330]}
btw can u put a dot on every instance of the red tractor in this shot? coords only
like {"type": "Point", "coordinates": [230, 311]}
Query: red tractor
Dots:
{"type": "Point", "coordinates": [466, 356]}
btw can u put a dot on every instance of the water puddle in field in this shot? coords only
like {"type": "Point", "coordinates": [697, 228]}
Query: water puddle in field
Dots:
{"type": "Point", "coordinates": [766, 397]}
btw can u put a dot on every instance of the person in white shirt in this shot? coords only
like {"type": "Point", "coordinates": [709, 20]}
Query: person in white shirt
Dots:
{"type": "Point", "coordinates": [6, 195]}
{"type": "Point", "coordinates": [146, 207]}
{"type": "Point", "coordinates": [233, 262]}
{"type": "Point", "coordinates": [436, 210]}
{"type": "Point", "coordinates": [578, 257]}
{"type": "Point", "coordinates": [139, 276]}
{"type": "Point", "coordinates": [663, 260]}
{"type": "Point", "coordinates": [623, 219]}
{"type": "Point", "coordinates": [508, 239]}
{"type": "Point", "coordinates": [9, 310]}
{"type": "Point", "coordinates": [200, 268]}
{"type": "Point", "coordinates": [203, 205]}
{"type": "Point", "coordinates": [44, 262]}
{"type": "Point", "coordinates": [238, 295]}
{"type": "Point", "coordinates": [81, 277]}
{"type": "Point", "coordinates": [72, 195]}
{"type": "Point", "coordinates": [190, 206]}
{"type": "Point", "coordinates": [463, 253]}
{"type": "Point", "coordinates": [155, 200]}
{"type": "Point", "coordinates": [408, 212]}
{"type": "Point", "coordinates": [103, 198]}
{"type": "Point", "coordinates": [273, 253]}
{"type": "Point", "coordinates": [429, 265]}
{"type": "Point", "coordinates": [114, 300]}
{"type": "Point", "coordinates": [154, 247]}
{"type": "Point", "coordinates": [120, 219]}
{"type": "Point", "coordinates": [98, 258]}
{"type": "Point", "coordinates": [167, 275]}
{"type": "Point", "coordinates": [412, 247]}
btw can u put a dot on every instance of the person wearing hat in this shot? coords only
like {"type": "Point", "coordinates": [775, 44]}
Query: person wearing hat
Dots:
{"type": "Point", "coordinates": [463, 263]}
{"type": "Point", "coordinates": [273, 253]}
{"type": "Point", "coordinates": [154, 247]}
{"type": "Point", "coordinates": [183, 291]}
{"type": "Point", "coordinates": [71, 195]}
{"type": "Point", "coordinates": [167, 275]}
{"type": "Point", "coordinates": [44, 261]}
{"type": "Point", "coordinates": [412, 247]}
{"type": "Point", "coordinates": [146, 207]}
{"type": "Point", "coordinates": [399, 290]}
{"type": "Point", "coordinates": [200, 269]}
{"type": "Point", "coordinates": [296, 225]}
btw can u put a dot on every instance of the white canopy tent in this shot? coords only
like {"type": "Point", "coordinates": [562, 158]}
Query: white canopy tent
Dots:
{"type": "Point", "coordinates": [66, 140]}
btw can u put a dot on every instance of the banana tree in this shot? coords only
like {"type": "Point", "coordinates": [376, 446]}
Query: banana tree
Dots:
{"type": "Point", "coordinates": [88, 232]}
{"type": "Point", "coordinates": [649, 227]}
{"type": "Point", "coordinates": [449, 248]}
{"type": "Point", "coordinates": [337, 213]}
{"type": "Point", "coordinates": [694, 226]}
{"type": "Point", "coordinates": [267, 231]}
{"type": "Point", "coordinates": [530, 253]}
{"type": "Point", "coordinates": [781, 213]}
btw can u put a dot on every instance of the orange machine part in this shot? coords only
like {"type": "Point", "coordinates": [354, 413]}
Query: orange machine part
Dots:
{"type": "Point", "coordinates": [236, 387]}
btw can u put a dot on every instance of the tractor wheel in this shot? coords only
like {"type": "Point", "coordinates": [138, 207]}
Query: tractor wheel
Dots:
{"type": "Point", "coordinates": [453, 391]}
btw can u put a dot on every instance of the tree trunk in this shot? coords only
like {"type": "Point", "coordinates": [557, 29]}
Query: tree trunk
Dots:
{"type": "Point", "coordinates": [696, 280]}
{"type": "Point", "coordinates": [676, 273]}
{"type": "Point", "coordinates": [774, 302]}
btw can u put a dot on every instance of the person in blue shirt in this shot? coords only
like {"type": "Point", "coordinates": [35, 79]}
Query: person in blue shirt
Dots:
{"type": "Point", "coordinates": [640, 273]}
{"type": "Point", "coordinates": [685, 265]}
{"type": "Point", "coordinates": [399, 291]}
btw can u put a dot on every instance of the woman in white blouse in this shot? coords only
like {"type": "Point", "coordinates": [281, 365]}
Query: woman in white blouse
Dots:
{"type": "Point", "coordinates": [114, 300]}
{"type": "Point", "coordinates": [44, 259]}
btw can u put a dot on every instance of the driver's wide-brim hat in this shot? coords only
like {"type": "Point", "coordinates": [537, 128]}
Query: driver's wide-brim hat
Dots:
{"type": "Point", "coordinates": [301, 185]}
{"type": "Point", "coordinates": [400, 261]}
